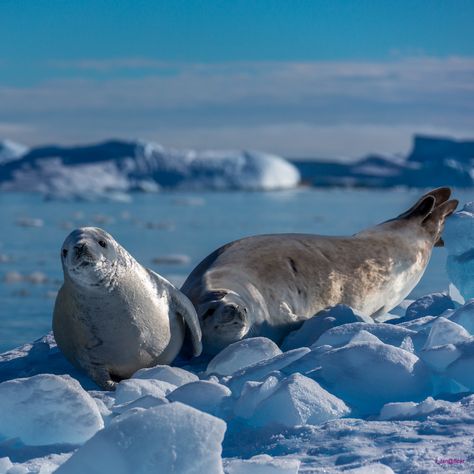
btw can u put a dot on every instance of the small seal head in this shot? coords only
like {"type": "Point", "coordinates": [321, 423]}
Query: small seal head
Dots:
{"type": "Point", "coordinates": [224, 319]}
{"type": "Point", "coordinates": [90, 257]}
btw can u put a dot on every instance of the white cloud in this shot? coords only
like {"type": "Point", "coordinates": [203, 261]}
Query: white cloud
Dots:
{"type": "Point", "coordinates": [293, 108]}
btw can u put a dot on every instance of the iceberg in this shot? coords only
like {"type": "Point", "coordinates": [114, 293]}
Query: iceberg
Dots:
{"type": "Point", "coordinates": [11, 151]}
{"type": "Point", "coordinates": [459, 241]}
{"type": "Point", "coordinates": [433, 162]}
{"type": "Point", "coordinates": [122, 166]}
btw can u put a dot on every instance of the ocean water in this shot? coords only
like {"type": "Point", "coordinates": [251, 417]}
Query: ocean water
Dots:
{"type": "Point", "coordinates": [156, 225]}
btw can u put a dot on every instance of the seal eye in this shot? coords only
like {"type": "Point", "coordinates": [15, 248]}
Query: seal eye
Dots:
{"type": "Point", "coordinates": [102, 243]}
{"type": "Point", "coordinates": [64, 252]}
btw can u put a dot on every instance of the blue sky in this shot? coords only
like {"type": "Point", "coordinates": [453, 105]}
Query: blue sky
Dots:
{"type": "Point", "coordinates": [316, 78]}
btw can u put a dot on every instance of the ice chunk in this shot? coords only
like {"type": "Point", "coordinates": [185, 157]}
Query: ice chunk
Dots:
{"type": "Point", "coordinates": [438, 358]}
{"type": "Point", "coordinates": [262, 464]}
{"type": "Point", "coordinates": [5, 465]}
{"type": "Point", "coordinates": [132, 389]}
{"type": "Point", "coordinates": [407, 344]}
{"type": "Point", "coordinates": [376, 468]}
{"type": "Point", "coordinates": [168, 438]}
{"type": "Point", "coordinates": [326, 319]}
{"type": "Point", "coordinates": [364, 336]}
{"type": "Point", "coordinates": [242, 354]}
{"type": "Point", "coordinates": [444, 331]}
{"type": "Point", "coordinates": [148, 401]}
{"type": "Point", "coordinates": [259, 371]}
{"type": "Point", "coordinates": [433, 304]}
{"type": "Point", "coordinates": [173, 375]}
{"type": "Point", "coordinates": [387, 333]}
{"type": "Point", "coordinates": [203, 395]}
{"type": "Point", "coordinates": [368, 375]}
{"type": "Point", "coordinates": [461, 369]}
{"type": "Point", "coordinates": [459, 241]}
{"type": "Point", "coordinates": [47, 409]}
{"type": "Point", "coordinates": [298, 400]}
{"type": "Point", "coordinates": [464, 316]}
{"type": "Point", "coordinates": [253, 393]}
{"type": "Point", "coordinates": [410, 410]}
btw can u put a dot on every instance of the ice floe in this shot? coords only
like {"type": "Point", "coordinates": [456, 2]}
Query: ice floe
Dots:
{"type": "Point", "coordinates": [340, 394]}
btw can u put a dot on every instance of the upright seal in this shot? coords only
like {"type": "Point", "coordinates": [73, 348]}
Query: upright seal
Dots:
{"type": "Point", "coordinates": [113, 316]}
{"type": "Point", "coordinates": [265, 285]}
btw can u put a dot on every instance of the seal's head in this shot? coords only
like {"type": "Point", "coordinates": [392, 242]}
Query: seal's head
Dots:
{"type": "Point", "coordinates": [90, 256]}
{"type": "Point", "coordinates": [224, 320]}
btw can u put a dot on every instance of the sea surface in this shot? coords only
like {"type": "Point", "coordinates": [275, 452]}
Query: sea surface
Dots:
{"type": "Point", "coordinates": [185, 225]}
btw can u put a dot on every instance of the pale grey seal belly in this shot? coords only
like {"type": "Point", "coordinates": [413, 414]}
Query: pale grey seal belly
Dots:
{"type": "Point", "coordinates": [264, 285]}
{"type": "Point", "coordinates": [112, 316]}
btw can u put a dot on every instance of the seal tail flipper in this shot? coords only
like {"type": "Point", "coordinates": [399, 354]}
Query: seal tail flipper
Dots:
{"type": "Point", "coordinates": [434, 222]}
{"type": "Point", "coordinates": [432, 209]}
{"type": "Point", "coordinates": [423, 207]}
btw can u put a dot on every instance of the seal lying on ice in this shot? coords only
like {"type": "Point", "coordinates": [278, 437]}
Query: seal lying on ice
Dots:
{"type": "Point", "coordinates": [113, 316]}
{"type": "Point", "coordinates": [262, 285]}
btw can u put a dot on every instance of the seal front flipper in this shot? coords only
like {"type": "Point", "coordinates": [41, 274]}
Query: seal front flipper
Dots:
{"type": "Point", "coordinates": [97, 372]}
{"type": "Point", "coordinates": [183, 306]}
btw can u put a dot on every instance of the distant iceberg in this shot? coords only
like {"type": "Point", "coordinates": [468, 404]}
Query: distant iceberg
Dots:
{"type": "Point", "coordinates": [11, 151]}
{"type": "Point", "coordinates": [121, 166]}
{"type": "Point", "coordinates": [432, 162]}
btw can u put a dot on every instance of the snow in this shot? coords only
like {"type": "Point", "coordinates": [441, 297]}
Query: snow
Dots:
{"type": "Point", "coordinates": [443, 331]}
{"type": "Point", "coordinates": [341, 395]}
{"type": "Point", "coordinates": [173, 375]}
{"type": "Point", "coordinates": [464, 316]}
{"type": "Point", "coordinates": [369, 374]}
{"type": "Point", "coordinates": [113, 168]}
{"type": "Point", "coordinates": [298, 400]}
{"type": "Point", "coordinates": [459, 241]}
{"type": "Point", "coordinates": [167, 438]}
{"type": "Point", "coordinates": [387, 333]}
{"type": "Point", "coordinates": [242, 354]}
{"type": "Point", "coordinates": [262, 464]}
{"type": "Point", "coordinates": [311, 329]}
{"type": "Point", "coordinates": [203, 395]}
{"type": "Point", "coordinates": [47, 409]}
{"type": "Point", "coordinates": [133, 389]}
{"type": "Point", "coordinates": [260, 370]}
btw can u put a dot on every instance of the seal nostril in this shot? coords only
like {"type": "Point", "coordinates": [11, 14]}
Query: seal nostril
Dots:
{"type": "Point", "coordinates": [64, 253]}
{"type": "Point", "coordinates": [79, 248]}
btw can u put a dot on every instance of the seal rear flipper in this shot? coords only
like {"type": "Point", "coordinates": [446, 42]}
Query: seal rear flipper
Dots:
{"type": "Point", "coordinates": [434, 222]}
{"type": "Point", "coordinates": [427, 203]}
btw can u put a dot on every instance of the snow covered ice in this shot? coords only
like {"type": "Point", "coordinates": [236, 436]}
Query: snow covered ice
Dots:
{"type": "Point", "coordinates": [459, 240]}
{"type": "Point", "coordinates": [242, 354]}
{"type": "Point", "coordinates": [47, 409]}
{"type": "Point", "coordinates": [298, 400]}
{"type": "Point", "coordinates": [340, 394]}
{"type": "Point", "coordinates": [167, 438]}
